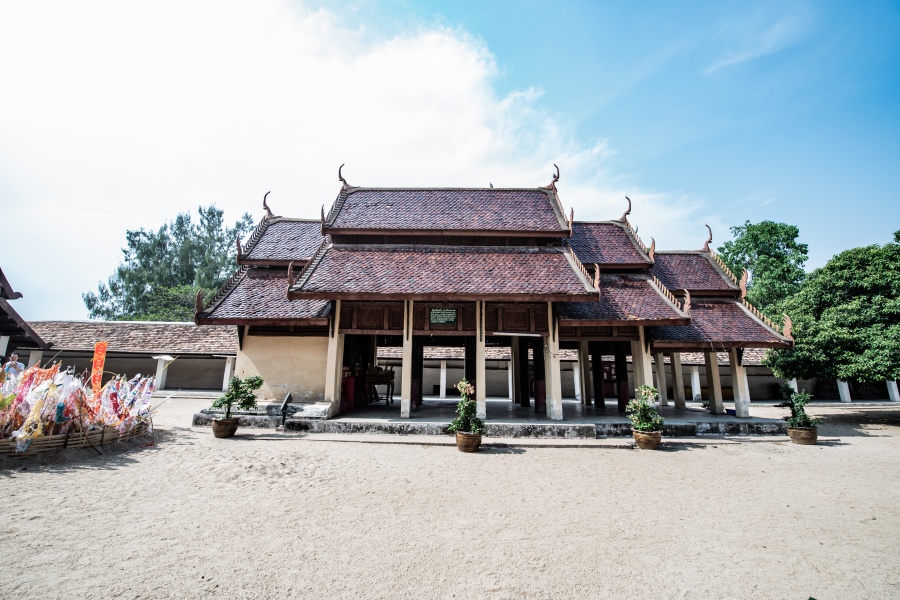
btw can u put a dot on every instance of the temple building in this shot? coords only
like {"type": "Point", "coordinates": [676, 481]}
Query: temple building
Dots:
{"type": "Point", "coordinates": [480, 270]}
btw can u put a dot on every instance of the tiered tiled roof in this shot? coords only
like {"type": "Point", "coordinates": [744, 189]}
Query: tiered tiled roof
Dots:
{"type": "Point", "coordinates": [12, 325]}
{"type": "Point", "coordinates": [718, 323]}
{"type": "Point", "coordinates": [519, 212]}
{"type": "Point", "coordinates": [278, 241]}
{"type": "Point", "coordinates": [140, 337]}
{"type": "Point", "coordinates": [258, 296]}
{"type": "Point", "coordinates": [608, 244]}
{"type": "Point", "coordinates": [393, 272]}
{"type": "Point", "coordinates": [634, 299]}
{"type": "Point", "coordinates": [694, 271]}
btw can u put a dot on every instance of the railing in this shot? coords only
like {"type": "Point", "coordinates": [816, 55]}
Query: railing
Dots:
{"type": "Point", "coordinates": [667, 293]}
{"type": "Point", "coordinates": [227, 287]}
{"type": "Point", "coordinates": [761, 316]}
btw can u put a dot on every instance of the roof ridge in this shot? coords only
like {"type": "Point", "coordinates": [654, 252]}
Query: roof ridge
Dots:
{"type": "Point", "coordinates": [308, 269]}
{"type": "Point", "coordinates": [254, 237]}
{"type": "Point", "coordinates": [755, 312]}
{"type": "Point", "coordinates": [660, 287]}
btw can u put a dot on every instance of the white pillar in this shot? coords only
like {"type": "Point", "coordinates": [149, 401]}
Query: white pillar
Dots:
{"type": "Point", "coordinates": [640, 359]}
{"type": "Point", "coordinates": [793, 384]}
{"type": "Point", "coordinates": [443, 379]}
{"type": "Point", "coordinates": [714, 383]}
{"type": "Point", "coordinates": [551, 369]}
{"type": "Point", "coordinates": [509, 377]}
{"type": "Point", "coordinates": [161, 371]}
{"type": "Point", "coordinates": [4, 344]}
{"type": "Point", "coordinates": [35, 358]}
{"type": "Point", "coordinates": [480, 374]}
{"type": "Point", "coordinates": [406, 364]}
{"type": "Point", "coordinates": [229, 372]}
{"type": "Point", "coordinates": [892, 391]}
{"type": "Point", "coordinates": [696, 390]}
{"type": "Point", "coordinates": [334, 363]}
{"type": "Point", "coordinates": [678, 380]}
{"type": "Point", "coordinates": [576, 376]}
{"type": "Point", "coordinates": [661, 382]}
{"type": "Point", "coordinates": [739, 385]}
{"type": "Point", "coordinates": [584, 366]}
{"type": "Point", "coordinates": [844, 390]}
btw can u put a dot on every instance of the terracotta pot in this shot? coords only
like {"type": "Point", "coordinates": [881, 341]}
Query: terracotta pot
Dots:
{"type": "Point", "coordinates": [803, 435]}
{"type": "Point", "coordinates": [468, 442]}
{"type": "Point", "coordinates": [647, 440]}
{"type": "Point", "coordinates": [224, 428]}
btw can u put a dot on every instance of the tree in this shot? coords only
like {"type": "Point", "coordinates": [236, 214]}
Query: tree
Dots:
{"type": "Point", "coordinates": [163, 270]}
{"type": "Point", "coordinates": [846, 319]}
{"type": "Point", "coordinates": [773, 258]}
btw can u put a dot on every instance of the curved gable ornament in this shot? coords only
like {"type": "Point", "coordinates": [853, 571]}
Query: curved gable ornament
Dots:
{"type": "Point", "coordinates": [625, 214]}
{"type": "Point", "coordinates": [708, 240]}
{"type": "Point", "coordinates": [788, 328]}
{"type": "Point", "coordinates": [269, 214]}
{"type": "Point", "coordinates": [743, 284]}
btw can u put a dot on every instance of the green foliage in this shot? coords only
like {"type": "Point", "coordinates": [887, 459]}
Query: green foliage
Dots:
{"type": "Point", "coordinates": [797, 403]}
{"type": "Point", "coordinates": [846, 319]}
{"type": "Point", "coordinates": [773, 258]}
{"type": "Point", "coordinates": [642, 410]}
{"type": "Point", "coordinates": [466, 408]}
{"type": "Point", "coordinates": [162, 271]}
{"type": "Point", "coordinates": [240, 392]}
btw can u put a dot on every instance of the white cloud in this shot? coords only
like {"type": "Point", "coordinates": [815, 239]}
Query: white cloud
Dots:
{"type": "Point", "coordinates": [116, 116]}
{"type": "Point", "coordinates": [754, 40]}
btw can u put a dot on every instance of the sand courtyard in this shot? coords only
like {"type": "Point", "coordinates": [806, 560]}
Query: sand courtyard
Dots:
{"type": "Point", "coordinates": [270, 515]}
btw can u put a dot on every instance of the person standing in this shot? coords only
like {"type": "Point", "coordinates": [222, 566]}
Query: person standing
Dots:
{"type": "Point", "coordinates": [13, 367]}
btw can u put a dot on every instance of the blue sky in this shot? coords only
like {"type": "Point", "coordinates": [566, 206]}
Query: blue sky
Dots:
{"type": "Point", "coordinates": [117, 116]}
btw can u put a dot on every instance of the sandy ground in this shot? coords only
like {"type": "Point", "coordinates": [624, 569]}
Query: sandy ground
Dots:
{"type": "Point", "coordinates": [265, 515]}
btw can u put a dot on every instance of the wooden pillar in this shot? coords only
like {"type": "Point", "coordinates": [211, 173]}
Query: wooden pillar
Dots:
{"type": "Point", "coordinates": [892, 391]}
{"type": "Point", "coordinates": [514, 392]}
{"type": "Point", "coordinates": [334, 363]}
{"type": "Point", "coordinates": [677, 380]}
{"type": "Point", "coordinates": [418, 371]}
{"type": "Point", "coordinates": [229, 372]}
{"type": "Point", "coordinates": [597, 375]}
{"type": "Point", "coordinates": [551, 362]}
{"type": "Point", "coordinates": [469, 363]}
{"type": "Point", "coordinates": [662, 382]}
{"type": "Point", "coordinates": [584, 372]}
{"type": "Point", "coordinates": [714, 383]}
{"type": "Point", "coordinates": [622, 391]}
{"type": "Point", "coordinates": [480, 377]}
{"type": "Point", "coordinates": [739, 385]}
{"type": "Point", "coordinates": [406, 376]}
{"type": "Point", "coordinates": [34, 358]}
{"type": "Point", "coordinates": [523, 372]}
{"type": "Point", "coordinates": [540, 374]}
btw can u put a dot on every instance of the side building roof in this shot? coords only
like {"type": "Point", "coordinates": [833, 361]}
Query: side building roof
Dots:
{"type": "Point", "coordinates": [633, 299]}
{"type": "Point", "coordinates": [397, 272]}
{"type": "Point", "coordinates": [717, 324]}
{"type": "Point", "coordinates": [609, 244]}
{"type": "Point", "coordinates": [142, 337]}
{"type": "Point", "coordinates": [452, 211]}
{"type": "Point", "coordinates": [698, 272]}
{"type": "Point", "coordinates": [279, 241]}
{"type": "Point", "coordinates": [258, 296]}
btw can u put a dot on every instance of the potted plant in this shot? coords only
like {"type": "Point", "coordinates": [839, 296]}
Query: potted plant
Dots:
{"type": "Point", "coordinates": [467, 426]}
{"type": "Point", "coordinates": [801, 428]}
{"type": "Point", "coordinates": [241, 393]}
{"type": "Point", "coordinates": [646, 423]}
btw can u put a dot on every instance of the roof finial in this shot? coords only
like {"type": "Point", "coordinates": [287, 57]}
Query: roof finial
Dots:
{"type": "Point", "coordinates": [341, 177]}
{"type": "Point", "coordinates": [290, 275]}
{"type": "Point", "coordinates": [269, 214]}
{"type": "Point", "coordinates": [198, 302]}
{"type": "Point", "coordinates": [706, 245]}
{"type": "Point", "coordinates": [744, 283]}
{"type": "Point", "coordinates": [492, 185]}
{"type": "Point", "coordinates": [788, 328]}
{"type": "Point", "coordinates": [556, 176]}
{"type": "Point", "coordinates": [625, 214]}
{"type": "Point", "coordinates": [237, 238]}
{"type": "Point", "coordinates": [571, 216]}
{"type": "Point", "coordinates": [597, 276]}
{"type": "Point", "coordinates": [686, 308]}
{"type": "Point", "coordinates": [652, 250]}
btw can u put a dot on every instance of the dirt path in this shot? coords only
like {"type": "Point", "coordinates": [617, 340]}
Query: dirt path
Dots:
{"type": "Point", "coordinates": [263, 515]}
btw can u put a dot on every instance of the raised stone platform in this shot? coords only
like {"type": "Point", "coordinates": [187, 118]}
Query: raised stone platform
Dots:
{"type": "Point", "coordinates": [504, 421]}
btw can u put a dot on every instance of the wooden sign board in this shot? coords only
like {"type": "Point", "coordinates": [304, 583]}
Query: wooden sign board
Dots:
{"type": "Point", "coordinates": [442, 316]}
